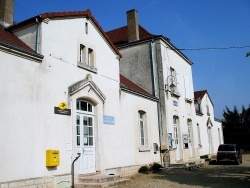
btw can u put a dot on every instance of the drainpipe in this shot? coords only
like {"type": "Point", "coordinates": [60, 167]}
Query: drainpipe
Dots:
{"type": "Point", "coordinates": [73, 169]}
{"type": "Point", "coordinates": [155, 92]}
{"type": "Point", "coordinates": [37, 37]}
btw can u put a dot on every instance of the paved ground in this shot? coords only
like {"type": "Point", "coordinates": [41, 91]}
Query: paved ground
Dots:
{"type": "Point", "coordinates": [226, 175]}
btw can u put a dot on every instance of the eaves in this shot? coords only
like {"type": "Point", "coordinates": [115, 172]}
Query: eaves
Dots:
{"type": "Point", "coordinates": [8, 48]}
{"type": "Point", "coordinates": [158, 37]}
{"type": "Point", "coordinates": [134, 92]}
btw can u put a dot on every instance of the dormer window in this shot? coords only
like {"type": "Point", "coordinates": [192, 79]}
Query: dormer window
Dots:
{"type": "Point", "coordinates": [198, 108]}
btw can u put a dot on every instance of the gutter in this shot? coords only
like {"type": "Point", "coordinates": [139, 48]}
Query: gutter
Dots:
{"type": "Point", "coordinates": [124, 88]}
{"type": "Point", "coordinates": [171, 46]}
{"type": "Point", "coordinates": [21, 52]}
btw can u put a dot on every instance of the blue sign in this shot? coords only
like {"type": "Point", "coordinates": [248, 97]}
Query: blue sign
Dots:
{"type": "Point", "coordinates": [109, 120]}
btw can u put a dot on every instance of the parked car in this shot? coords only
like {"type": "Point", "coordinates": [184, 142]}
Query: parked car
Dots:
{"type": "Point", "coordinates": [229, 152]}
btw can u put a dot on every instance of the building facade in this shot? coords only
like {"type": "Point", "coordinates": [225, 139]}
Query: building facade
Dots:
{"type": "Point", "coordinates": [155, 64]}
{"type": "Point", "coordinates": [62, 103]}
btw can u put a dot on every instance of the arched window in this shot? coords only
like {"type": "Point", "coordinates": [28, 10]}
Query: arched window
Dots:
{"type": "Point", "coordinates": [84, 106]}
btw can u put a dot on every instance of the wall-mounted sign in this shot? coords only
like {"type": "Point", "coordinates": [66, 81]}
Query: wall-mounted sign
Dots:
{"type": "Point", "coordinates": [109, 120]}
{"type": "Point", "coordinates": [62, 105]}
{"type": "Point", "coordinates": [57, 110]}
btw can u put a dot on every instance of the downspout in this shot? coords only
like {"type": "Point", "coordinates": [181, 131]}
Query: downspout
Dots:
{"type": "Point", "coordinates": [155, 93]}
{"type": "Point", "coordinates": [37, 37]}
{"type": "Point", "coordinates": [73, 169]}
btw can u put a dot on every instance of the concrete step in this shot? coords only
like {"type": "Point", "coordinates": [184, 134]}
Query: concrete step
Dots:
{"type": "Point", "coordinates": [100, 181]}
{"type": "Point", "coordinates": [99, 178]}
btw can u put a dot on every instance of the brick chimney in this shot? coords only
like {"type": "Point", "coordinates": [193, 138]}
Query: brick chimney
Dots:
{"type": "Point", "coordinates": [133, 27]}
{"type": "Point", "coordinates": [6, 12]}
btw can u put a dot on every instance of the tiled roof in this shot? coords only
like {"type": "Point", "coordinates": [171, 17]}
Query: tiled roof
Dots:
{"type": "Point", "coordinates": [200, 94]}
{"type": "Point", "coordinates": [9, 39]}
{"type": "Point", "coordinates": [86, 14]}
{"type": "Point", "coordinates": [120, 35]}
{"type": "Point", "coordinates": [132, 86]}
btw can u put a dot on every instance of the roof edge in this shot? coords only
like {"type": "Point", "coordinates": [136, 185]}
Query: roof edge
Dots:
{"type": "Point", "coordinates": [10, 48]}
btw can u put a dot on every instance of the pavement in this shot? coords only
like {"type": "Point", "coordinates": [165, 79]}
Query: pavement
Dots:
{"type": "Point", "coordinates": [213, 176]}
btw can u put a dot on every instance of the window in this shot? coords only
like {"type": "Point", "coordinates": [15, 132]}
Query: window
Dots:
{"type": "Point", "coordinates": [143, 131]}
{"type": "Point", "coordinates": [90, 58]}
{"type": "Point", "coordinates": [86, 59]}
{"type": "Point", "coordinates": [199, 135]}
{"type": "Point", "coordinates": [86, 28]}
{"type": "Point", "coordinates": [189, 124]}
{"type": "Point", "coordinates": [219, 136]}
{"type": "Point", "coordinates": [188, 96]}
{"type": "Point", "coordinates": [84, 106]}
{"type": "Point", "coordinates": [82, 54]}
{"type": "Point", "coordinates": [208, 113]}
{"type": "Point", "coordinates": [172, 82]}
{"type": "Point", "coordinates": [176, 135]}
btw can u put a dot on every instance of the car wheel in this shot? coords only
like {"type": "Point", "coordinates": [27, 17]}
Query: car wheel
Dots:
{"type": "Point", "coordinates": [237, 161]}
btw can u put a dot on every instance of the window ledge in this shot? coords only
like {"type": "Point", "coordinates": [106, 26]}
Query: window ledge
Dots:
{"type": "Point", "coordinates": [144, 149]}
{"type": "Point", "coordinates": [86, 67]}
{"type": "Point", "coordinates": [175, 94]}
{"type": "Point", "coordinates": [188, 100]}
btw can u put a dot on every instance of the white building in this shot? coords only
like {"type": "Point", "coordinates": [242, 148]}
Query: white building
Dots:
{"type": "Point", "coordinates": [209, 129]}
{"type": "Point", "coordinates": [155, 64]}
{"type": "Point", "coordinates": [62, 98]}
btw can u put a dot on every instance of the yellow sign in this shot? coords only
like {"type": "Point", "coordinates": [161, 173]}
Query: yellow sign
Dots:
{"type": "Point", "coordinates": [62, 105]}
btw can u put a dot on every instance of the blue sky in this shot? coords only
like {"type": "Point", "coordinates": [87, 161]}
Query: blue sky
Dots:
{"type": "Point", "coordinates": [190, 24]}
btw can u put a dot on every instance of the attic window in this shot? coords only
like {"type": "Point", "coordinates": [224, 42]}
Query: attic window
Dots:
{"type": "Point", "coordinates": [86, 28]}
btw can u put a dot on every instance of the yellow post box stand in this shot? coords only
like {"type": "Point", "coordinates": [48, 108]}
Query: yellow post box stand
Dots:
{"type": "Point", "coordinates": [52, 158]}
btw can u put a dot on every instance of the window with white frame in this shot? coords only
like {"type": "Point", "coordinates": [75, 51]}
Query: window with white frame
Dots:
{"type": "Point", "coordinates": [176, 133]}
{"type": "Point", "coordinates": [142, 129]}
{"type": "Point", "coordinates": [189, 124]}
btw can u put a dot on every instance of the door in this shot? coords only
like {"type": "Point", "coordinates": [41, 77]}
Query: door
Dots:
{"type": "Point", "coordinates": [190, 139]}
{"type": "Point", "coordinates": [210, 140]}
{"type": "Point", "coordinates": [176, 139]}
{"type": "Point", "coordinates": [85, 137]}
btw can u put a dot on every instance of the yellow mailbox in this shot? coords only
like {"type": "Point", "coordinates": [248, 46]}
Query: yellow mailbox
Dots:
{"type": "Point", "coordinates": [52, 158]}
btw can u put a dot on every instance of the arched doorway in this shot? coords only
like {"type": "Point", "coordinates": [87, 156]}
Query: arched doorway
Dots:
{"type": "Point", "coordinates": [85, 135]}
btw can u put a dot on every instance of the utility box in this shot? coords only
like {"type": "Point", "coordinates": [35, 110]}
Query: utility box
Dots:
{"type": "Point", "coordinates": [52, 158]}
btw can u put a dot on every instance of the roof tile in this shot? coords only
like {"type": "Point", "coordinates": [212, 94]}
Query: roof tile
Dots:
{"type": "Point", "coordinates": [10, 39]}
{"type": "Point", "coordinates": [131, 85]}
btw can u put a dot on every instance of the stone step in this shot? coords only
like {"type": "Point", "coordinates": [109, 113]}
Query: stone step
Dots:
{"type": "Point", "coordinates": [100, 181]}
{"type": "Point", "coordinates": [99, 178]}
{"type": "Point", "coordinates": [109, 184]}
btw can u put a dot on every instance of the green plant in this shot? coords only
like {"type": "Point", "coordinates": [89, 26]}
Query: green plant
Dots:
{"type": "Point", "coordinates": [143, 169]}
{"type": "Point", "coordinates": [155, 167]}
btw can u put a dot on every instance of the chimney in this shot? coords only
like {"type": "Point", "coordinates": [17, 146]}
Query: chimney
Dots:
{"type": "Point", "coordinates": [6, 12]}
{"type": "Point", "coordinates": [133, 27]}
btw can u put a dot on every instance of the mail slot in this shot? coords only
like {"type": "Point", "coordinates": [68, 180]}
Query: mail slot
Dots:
{"type": "Point", "coordinates": [52, 158]}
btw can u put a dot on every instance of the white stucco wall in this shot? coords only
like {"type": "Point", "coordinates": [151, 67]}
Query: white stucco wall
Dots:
{"type": "Point", "coordinates": [29, 125]}
{"type": "Point", "coordinates": [205, 121]}
{"type": "Point", "coordinates": [185, 109]}
{"type": "Point", "coordinates": [128, 150]}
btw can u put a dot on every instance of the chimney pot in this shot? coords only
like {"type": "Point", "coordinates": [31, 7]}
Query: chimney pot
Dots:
{"type": "Point", "coordinates": [6, 12]}
{"type": "Point", "coordinates": [133, 26]}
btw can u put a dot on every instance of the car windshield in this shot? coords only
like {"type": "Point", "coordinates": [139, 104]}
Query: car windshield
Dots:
{"type": "Point", "coordinates": [226, 148]}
